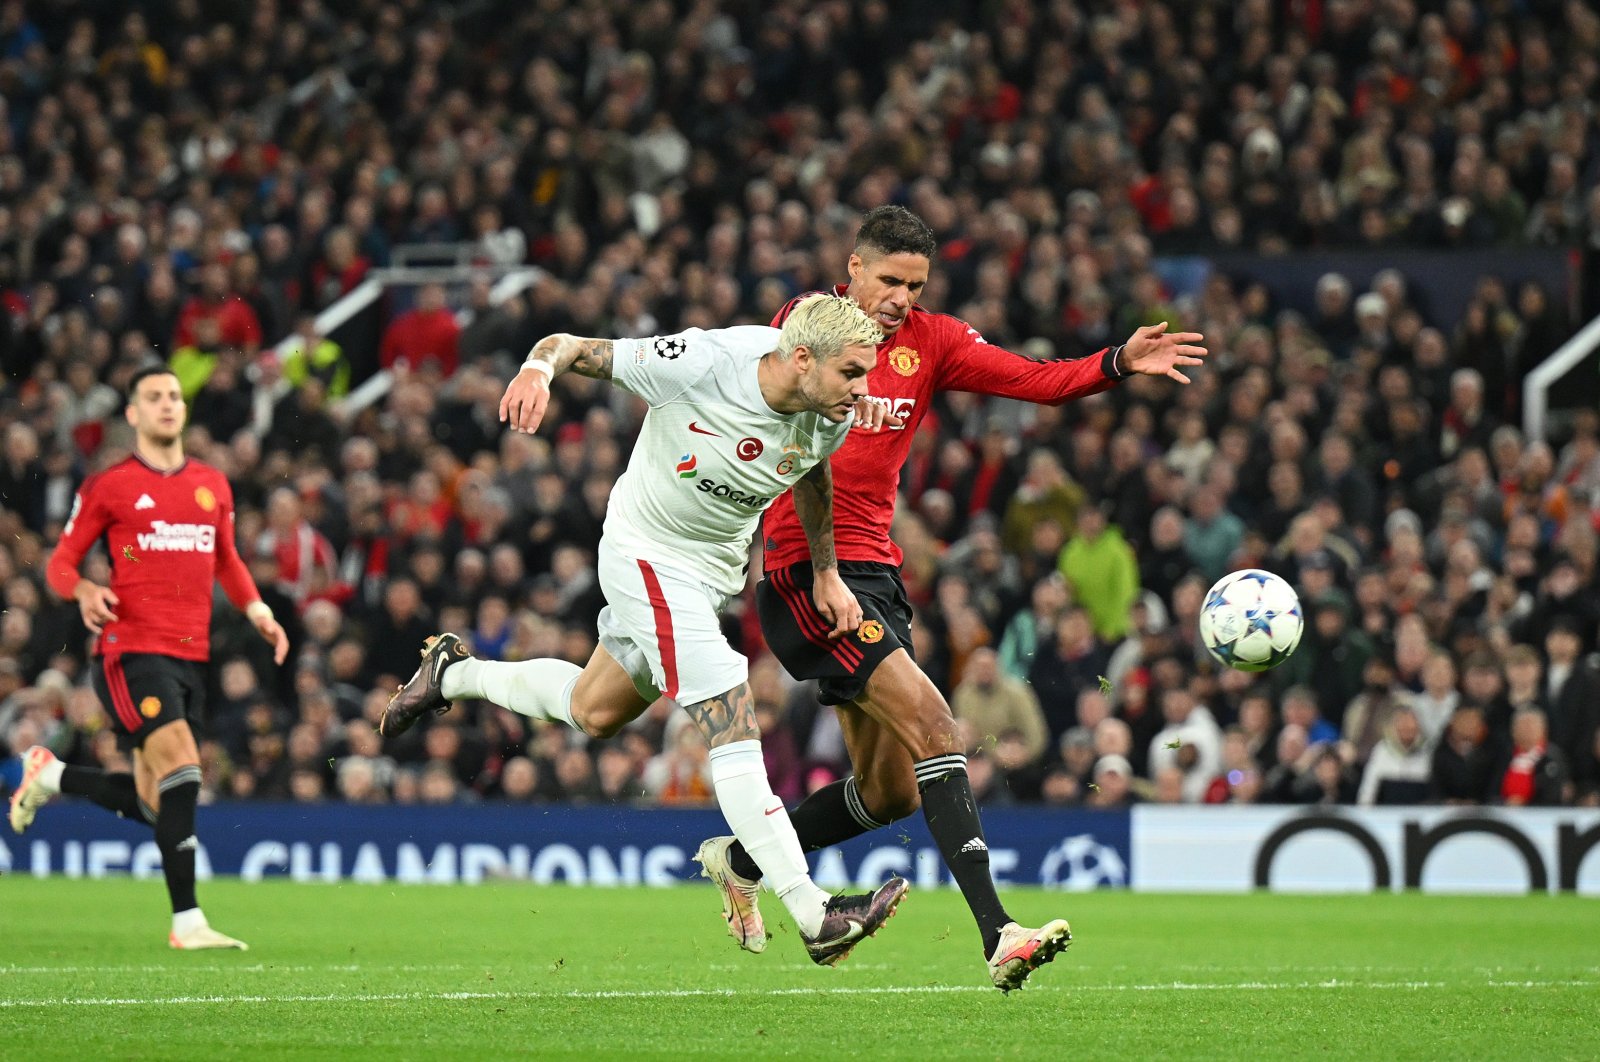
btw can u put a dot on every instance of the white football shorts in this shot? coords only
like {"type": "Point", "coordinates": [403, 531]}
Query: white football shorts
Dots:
{"type": "Point", "coordinates": [660, 623]}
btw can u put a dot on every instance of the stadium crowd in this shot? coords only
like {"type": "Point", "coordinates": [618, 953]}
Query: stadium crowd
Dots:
{"type": "Point", "coordinates": [194, 181]}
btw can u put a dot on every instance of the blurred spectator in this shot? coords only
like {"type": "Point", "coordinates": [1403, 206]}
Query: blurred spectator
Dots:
{"type": "Point", "coordinates": [1463, 764]}
{"type": "Point", "coordinates": [1398, 769]}
{"type": "Point", "coordinates": [1571, 694]}
{"type": "Point", "coordinates": [426, 334]}
{"type": "Point", "coordinates": [1113, 784]}
{"type": "Point", "coordinates": [235, 323]}
{"type": "Point", "coordinates": [1072, 660]}
{"type": "Point", "coordinates": [1328, 781]}
{"type": "Point", "coordinates": [1530, 771]}
{"type": "Point", "coordinates": [681, 774]}
{"type": "Point", "coordinates": [1212, 533]}
{"type": "Point", "coordinates": [1191, 742]}
{"type": "Point", "coordinates": [1020, 644]}
{"type": "Point", "coordinates": [303, 554]}
{"type": "Point", "coordinates": [1368, 716]}
{"type": "Point", "coordinates": [312, 354]}
{"type": "Point", "coordinates": [1438, 699]}
{"type": "Point", "coordinates": [998, 705]}
{"type": "Point", "coordinates": [1100, 567]}
{"type": "Point", "coordinates": [1045, 491]}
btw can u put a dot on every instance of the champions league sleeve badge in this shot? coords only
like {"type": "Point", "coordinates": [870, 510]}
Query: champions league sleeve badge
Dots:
{"type": "Point", "coordinates": [669, 347]}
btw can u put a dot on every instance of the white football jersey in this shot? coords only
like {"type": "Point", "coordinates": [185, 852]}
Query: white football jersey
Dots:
{"type": "Point", "coordinates": [712, 455]}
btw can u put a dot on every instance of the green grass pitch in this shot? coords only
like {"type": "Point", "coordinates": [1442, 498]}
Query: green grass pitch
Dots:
{"type": "Point", "coordinates": [451, 972]}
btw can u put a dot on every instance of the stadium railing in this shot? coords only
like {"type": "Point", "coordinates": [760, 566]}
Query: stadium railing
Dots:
{"type": "Point", "coordinates": [510, 280]}
{"type": "Point", "coordinates": [1536, 388]}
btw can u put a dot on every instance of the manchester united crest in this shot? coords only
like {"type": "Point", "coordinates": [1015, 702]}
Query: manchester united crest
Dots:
{"type": "Point", "coordinates": [205, 499]}
{"type": "Point", "coordinates": [870, 631]}
{"type": "Point", "coordinates": [150, 707]}
{"type": "Point", "coordinates": [905, 360]}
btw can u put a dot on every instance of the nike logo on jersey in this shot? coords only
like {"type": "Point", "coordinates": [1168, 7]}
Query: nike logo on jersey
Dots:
{"type": "Point", "coordinates": [774, 811]}
{"type": "Point", "coordinates": [698, 430]}
{"type": "Point", "coordinates": [145, 502]}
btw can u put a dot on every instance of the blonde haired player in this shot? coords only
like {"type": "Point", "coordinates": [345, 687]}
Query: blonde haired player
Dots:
{"type": "Point", "coordinates": [737, 417]}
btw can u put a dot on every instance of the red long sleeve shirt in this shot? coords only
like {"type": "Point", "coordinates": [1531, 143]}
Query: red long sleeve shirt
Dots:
{"type": "Point", "coordinates": [930, 352]}
{"type": "Point", "coordinates": [417, 336]}
{"type": "Point", "coordinates": [169, 535]}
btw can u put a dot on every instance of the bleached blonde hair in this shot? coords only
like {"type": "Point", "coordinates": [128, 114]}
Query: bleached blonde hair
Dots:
{"type": "Point", "coordinates": [826, 324]}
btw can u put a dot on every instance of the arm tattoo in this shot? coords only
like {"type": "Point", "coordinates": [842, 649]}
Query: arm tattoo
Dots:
{"type": "Point", "coordinates": [568, 353]}
{"type": "Point", "coordinates": [594, 359]}
{"type": "Point", "coordinates": [813, 504]}
{"type": "Point", "coordinates": [726, 719]}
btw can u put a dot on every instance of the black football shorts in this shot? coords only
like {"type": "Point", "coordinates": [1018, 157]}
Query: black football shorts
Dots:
{"type": "Point", "coordinates": [797, 633]}
{"type": "Point", "coordinates": [145, 691]}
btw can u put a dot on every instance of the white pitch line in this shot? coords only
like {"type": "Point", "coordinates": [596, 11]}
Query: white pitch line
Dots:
{"type": "Point", "coordinates": [397, 997]}
{"type": "Point", "coordinates": [721, 993]}
{"type": "Point", "coordinates": [180, 967]}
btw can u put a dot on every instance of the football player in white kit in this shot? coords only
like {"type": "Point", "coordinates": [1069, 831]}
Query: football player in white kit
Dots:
{"type": "Point", "coordinates": [737, 417]}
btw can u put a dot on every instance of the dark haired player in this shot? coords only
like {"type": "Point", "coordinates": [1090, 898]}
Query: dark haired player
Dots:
{"type": "Point", "coordinates": [167, 522]}
{"type": "Point", "coordinates": [902, 737]}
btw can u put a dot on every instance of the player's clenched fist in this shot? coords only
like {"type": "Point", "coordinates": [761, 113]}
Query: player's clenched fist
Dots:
{"type": "Point", "coordinates": [836, 602]}
{"type": "Point", "coordinates": [527, 395]}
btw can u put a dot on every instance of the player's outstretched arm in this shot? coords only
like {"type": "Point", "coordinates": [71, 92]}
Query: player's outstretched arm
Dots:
{"type": "Point", "coordinates": [813, 504]}
{"type": "Point", "coordinates": [527, 395]}
{"type": "Point", "coordinates": [1153, 351]}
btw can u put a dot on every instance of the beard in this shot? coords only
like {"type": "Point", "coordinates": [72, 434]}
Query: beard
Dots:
{"type": "Point", "coordinates": [817, 402]}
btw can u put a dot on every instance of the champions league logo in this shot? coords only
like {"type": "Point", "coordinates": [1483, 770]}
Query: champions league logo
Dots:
{"type": "Point", "coordinates": [1082, 864]}
{"type": "Point", "coordinates": [669, 347]}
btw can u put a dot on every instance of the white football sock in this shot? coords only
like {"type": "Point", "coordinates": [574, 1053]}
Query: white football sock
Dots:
{"type": "Point", "coordinates": [188, 921]}
{"type": "Point", "coordinates": [539, 689]}
{"type": "Point", "coordinates": [758, 818]}
{"type": "Point", "coordinates": [50, 775]}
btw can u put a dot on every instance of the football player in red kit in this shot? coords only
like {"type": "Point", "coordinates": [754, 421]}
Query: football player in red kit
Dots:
{"type": "Point", "coordinates": [167, 522]}
{"type": "Point", "coordinates": [902, 736]}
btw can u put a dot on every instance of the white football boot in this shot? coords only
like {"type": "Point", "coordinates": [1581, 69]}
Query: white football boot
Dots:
{"type": "Point", "coordinates": [739, 894]}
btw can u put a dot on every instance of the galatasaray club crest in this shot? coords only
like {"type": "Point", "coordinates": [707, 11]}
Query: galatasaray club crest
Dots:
{"type": "Point", "coordinates": [870, 631]}
{"type": "Point", "coordinates": [205, 499]}
{"type": "Point", "coordinates": [905, 360]}
{"type": "Point", "coordinates": [793, 455]}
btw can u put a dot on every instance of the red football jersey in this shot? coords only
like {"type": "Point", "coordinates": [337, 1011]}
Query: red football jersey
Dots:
{"type": "Point", "coordinates": [930, 352]}
{"type": "Point", "coordinates": [170, 536]}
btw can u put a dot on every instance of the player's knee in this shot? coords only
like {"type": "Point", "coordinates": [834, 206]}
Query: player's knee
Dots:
{"type": "Point", "coordinates": [598, 720]}
{"type": "Point", "coordinates": [889, 801]}
{"type": "Point", "coordinates": [930, 730]}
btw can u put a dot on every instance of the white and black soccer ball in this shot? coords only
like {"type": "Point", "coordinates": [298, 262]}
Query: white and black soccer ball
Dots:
{"type": "Point", "coordinates": [1251, 620]}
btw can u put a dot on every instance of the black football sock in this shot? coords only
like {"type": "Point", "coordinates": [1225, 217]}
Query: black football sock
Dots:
{"type": "Point", "coordinates": [952, 816]}
{"type": "Point", "coordinates": [114, 792]}
{"type": "Point", "coordinates": [832, 814]}
{"type": "Point", "coordinates": [180, 791]}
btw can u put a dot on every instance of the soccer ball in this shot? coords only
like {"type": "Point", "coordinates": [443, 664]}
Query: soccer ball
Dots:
{"type": "Point", "coordinates": [1251, 620]}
